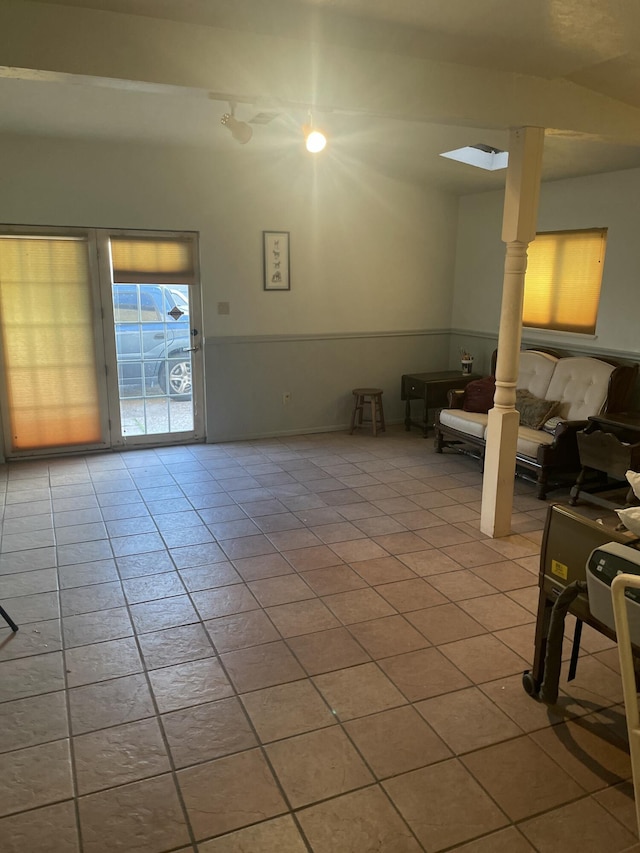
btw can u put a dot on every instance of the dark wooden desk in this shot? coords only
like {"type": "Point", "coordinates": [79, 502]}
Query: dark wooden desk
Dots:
{"type": "Point", "coordinates": [610, 445]}
{"type": "Point", "coordinates": [432, 389]}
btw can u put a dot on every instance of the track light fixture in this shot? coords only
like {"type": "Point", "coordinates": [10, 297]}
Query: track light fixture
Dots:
{"type": "Point", "coordinates": [314, 139]}
{"type": "Point", "coordinates": [240, 130]}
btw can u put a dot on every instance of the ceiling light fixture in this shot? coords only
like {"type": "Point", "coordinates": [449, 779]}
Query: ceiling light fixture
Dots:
{"type": "Point", "coordinates": [240, 130]}
{"type": "Point", "coordinates": [314, 139]}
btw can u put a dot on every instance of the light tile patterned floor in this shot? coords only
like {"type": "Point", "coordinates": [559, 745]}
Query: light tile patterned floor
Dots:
{"type": "Point", "coordinates": [285, 646]}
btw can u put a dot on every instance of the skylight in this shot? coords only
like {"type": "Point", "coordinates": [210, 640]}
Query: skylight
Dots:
{"type": "Point", "coordinates": [480, 155]}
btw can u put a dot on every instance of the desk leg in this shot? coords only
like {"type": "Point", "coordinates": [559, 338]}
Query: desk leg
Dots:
{"type": "Point", "coordinates": [407, 415]}
{"type": "Point", "coordinates": [425, 423]}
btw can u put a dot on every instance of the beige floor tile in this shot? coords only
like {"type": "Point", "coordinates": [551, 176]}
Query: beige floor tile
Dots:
{"type": "Point", "coordinates": [392, 635]}
{"type": "Point", "coordinates": [360, 549]}
{"type": "Point", "coordinates": [582, 827]}
{"type": "Point", "coordinates": [302, 617]}
{"type": "Point", "coordinates": [410, 595]}
{"type": "Point", "coordinates": [620, 802]}
{"type": "Point", "coordinates": [358, 605]}
{"type": "Point", "coordinates": [241, 630]}
{"type": "Point", "coordinates": [150, 587]}
{"type": "Point", "coordinates": [223, 601]}
{"type": "Point", "coordinates": [431, 562]}
{"type": "Point", "coordinates": [505, 575]}
{"type": "Point", "coordinates": [143, 817]}
{"type": "Point", "coordinates": [247, 546]}
{"type": "Point", "coordinates": [423, 673]}
{"type": "Point", "coordinates": [230, 793]}
{"type": "Point", "coordinates": [461, 585]}
{"type": "Point", "coordinates": [98, 627]}
{"type": "Point", "coordinates": [363, 820]}
{"type": "Point", "coordinates": [358, 690]}
{"type": "Point", "coordinates": [290, 540]}
{"type": "Point", "coordinates": [286, 710]}
{"type": "Point", "coordinates": [97, 596]}
{"type": "Point", "coordinates": [209, 577]}
{"type": "Point", "coordinates": [51, 829]}
{"type": "Point", "coordinates": [279, 835]}
{"type": "Point", "coordinates": [445, 624]}
{"type": "Point", "coordinates": [280, 590]}
{"type": "Point", "coordinates": [514, 547]}
{"type": "Point", "coordinates": [333, 579]}
{"type": "Point", "coordinates": [327, 650]}
{"type": "Point", "coordinates": [317, 765]}
{"type": "Point", "coordinates": [318, 557]}
{"type": "Point", "coordinates": [496, 611]}
{"type": "Point", "coordinates": [396, 741]}
{"type": "Point", "coordinates": [483, 658]}
{"type": "Point", "coordinates": [204, 732]}
{"type": "Point", "coordinates": [424, 799]}
{"type": "Point", "coordinates": [542, 784]}
{"type": "Point", "coordinates": [41, 638]}
{"type": "Point", "coordinates": [100, 661]}
{"type": "Point", "coordinates": [31, 676]}
{"type": "Point", "coordinates": [265, 566]}
{"type": "Point", "coordinates": [587, 751]}
{"type": "Point", "coordinates": [531, 715]}
{"type": "Point", "coordinates": [35, 776]}
{"type": "Point", "coordinates": [595, 685]}
{"type": "Point", "coordinates": [119, 755]}
{"type": "Point", "coordinates": [382, 570]}
{"type": "Point", "coordinates": [188, 684]}
{"type": "Point", "coordinates": [471, 554]}
{"type": "Point", "coordinates": [110, 703]}
{"type": "Point", "coordinates": [401, 543]}
{"type": "Point", "coordinates": [467, 720]}
{"type": "Point", "coordinates": [261, 666]}
{"type": "Point", "coordinates": [504, 841]}
{"type": "Point", "coordinates": [34, 720]}
{"type": "Point", "coordinates": [175, 645]}
{"type": "Point", "coordinates": [27, 583]}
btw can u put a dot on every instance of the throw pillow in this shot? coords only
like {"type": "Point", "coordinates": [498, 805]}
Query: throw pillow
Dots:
{"type": "Point", "coordinates": [630, 518]}
{"type": "Point", "coordinates": [533, 410]}
{"type": "Point", "coordinates": [633, 478]}
{"type": "Point", "coordinates": [478, 395]}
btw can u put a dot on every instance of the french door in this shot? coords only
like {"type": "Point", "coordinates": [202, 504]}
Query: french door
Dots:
{"type": "Point", "coordinates": [100, 336]}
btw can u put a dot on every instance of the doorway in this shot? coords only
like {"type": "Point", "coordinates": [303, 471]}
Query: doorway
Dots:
{"type": "Point", "coordinates": [101, 340]}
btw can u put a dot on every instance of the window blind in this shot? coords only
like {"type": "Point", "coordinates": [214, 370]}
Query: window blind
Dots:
{"type": "Point", "coordinates": [48, 342]}
{"type": "Point", "coordinates": [563, 279]}
{"type": "Point", "coordinates": [152, 261]}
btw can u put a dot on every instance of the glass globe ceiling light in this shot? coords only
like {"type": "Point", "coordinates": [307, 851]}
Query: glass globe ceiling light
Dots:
{"type": "Point", "coordinates": [314, 139]}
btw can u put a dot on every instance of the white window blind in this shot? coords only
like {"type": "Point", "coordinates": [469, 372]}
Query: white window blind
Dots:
{"type": "Point", "coordinates": [143, 260]}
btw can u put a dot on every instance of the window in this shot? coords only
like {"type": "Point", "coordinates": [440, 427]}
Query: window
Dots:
{"type": "Point", "coordinates": [562, 284]}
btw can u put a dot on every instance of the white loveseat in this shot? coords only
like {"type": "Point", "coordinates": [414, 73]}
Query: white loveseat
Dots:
{"type": "Point", "coordinates": [583, 385]}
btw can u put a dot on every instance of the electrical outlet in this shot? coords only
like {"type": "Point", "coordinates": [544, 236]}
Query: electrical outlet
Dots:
{"type": "Point", "coordinates": [286, 398]}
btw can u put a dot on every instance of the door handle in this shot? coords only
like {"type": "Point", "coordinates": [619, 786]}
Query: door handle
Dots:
{"type": "Point", "coordinates": [190, 349]}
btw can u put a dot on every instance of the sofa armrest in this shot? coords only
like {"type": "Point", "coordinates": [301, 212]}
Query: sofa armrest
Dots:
{"type": "Point", "coordinates": [455, 397]}
{"type": "Point", "coordinates": [566, 428]}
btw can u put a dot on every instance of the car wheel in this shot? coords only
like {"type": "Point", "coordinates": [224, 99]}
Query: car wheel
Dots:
{"type": "Point", "coordinates": [179, 384]}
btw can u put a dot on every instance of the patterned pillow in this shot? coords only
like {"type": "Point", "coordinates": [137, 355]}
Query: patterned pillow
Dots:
{"type": "Point", "coordinates": [478, 395]}
{"type": "Point", "coordinates": [533, 410]}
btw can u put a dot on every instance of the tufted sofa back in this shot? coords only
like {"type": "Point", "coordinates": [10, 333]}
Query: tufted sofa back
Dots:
{"type": "Point", "coordinates": [582, 384]}
{"type": "Point", "coordinates": [535, 372]}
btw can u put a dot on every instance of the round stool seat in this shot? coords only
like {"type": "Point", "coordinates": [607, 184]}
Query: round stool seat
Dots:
{"type": "Point", "coordinates": [372, 397]}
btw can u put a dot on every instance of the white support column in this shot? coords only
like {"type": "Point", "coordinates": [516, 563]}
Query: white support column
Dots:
{"type": "Point", "coordinates": [518, 230]}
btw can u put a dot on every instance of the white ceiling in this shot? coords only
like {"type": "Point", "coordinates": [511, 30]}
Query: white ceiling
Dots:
{"type": "Point", "coordinates": [588, 43]}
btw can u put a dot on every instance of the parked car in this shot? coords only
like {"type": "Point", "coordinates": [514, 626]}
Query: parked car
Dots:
{"type": "Point", "coordinates": [153, 339]}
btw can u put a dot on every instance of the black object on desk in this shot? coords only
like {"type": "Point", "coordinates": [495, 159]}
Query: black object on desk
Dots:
{"type": "Point", "coordinates": [432, 389]}
{"type": "Point", "coordinates": [610, 445]}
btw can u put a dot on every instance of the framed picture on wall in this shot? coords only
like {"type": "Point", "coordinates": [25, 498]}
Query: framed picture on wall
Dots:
{"type": "Point", "coordinates": [276, 260]}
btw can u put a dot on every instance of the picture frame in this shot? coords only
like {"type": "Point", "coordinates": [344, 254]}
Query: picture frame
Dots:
{"type": "Point", "coordinates": [276, 260]}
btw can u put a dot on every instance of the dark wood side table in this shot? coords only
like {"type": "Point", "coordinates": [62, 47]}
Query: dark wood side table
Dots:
{"type": "Point", "coordinates": [432, 389]}
{"type": "Point", "coordinates": [610, 445]}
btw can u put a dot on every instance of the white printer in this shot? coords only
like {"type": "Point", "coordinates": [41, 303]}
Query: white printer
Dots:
{"type": "Point", "coordinates": [603, 565]}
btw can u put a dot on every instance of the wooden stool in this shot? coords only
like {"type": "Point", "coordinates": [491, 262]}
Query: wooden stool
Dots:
{"type": "Point", "coordinates": [372, 396]}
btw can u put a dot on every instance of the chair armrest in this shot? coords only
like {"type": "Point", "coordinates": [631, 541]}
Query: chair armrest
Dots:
{"type": "Point", "coordinates": [454, 398]}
